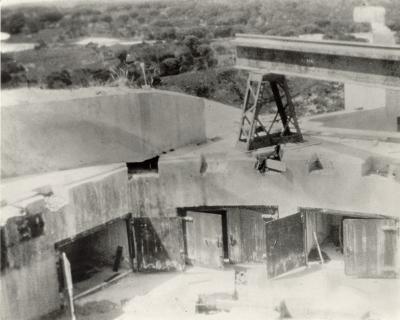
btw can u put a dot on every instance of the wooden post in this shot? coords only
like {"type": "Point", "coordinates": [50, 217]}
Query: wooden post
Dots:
{"type": "Point", "coordinates": [319, 249]}
{"type": "Point", "coordinates": [68, 285]}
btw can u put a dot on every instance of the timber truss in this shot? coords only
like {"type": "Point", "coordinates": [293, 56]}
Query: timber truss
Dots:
{"type": "Point", "coordinates": [258, 127]}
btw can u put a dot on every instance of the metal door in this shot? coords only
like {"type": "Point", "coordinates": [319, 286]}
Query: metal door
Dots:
{"type": "Point", "coordinates": [370, 247]}
{"type": "Point", "coordinates": [159, 243]}
{"type": "Point", "coordinates": [204, 239]}
{"type": "Point", "coordinates": [285, 244]}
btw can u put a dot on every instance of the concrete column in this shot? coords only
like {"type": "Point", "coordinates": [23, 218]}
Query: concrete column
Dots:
{"type": "Point", "coordinates": [366, 97]}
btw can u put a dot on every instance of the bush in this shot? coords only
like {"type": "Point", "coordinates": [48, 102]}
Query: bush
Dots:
{"type": "Point", "coordinates": [40, 45]}
{"type": "Point", "coordinates": [58, 79]}
{"type": "Point", "coordinates": [106, 18]}
{"type": "Point", "coordinates": [169, 66]}
{"type": "Point", "coordinates": [192, 43]}
{"type": "Point", "coordinates": [223, 32]}
{"type": "Point", "coordinates": [199, 32]}
{"type": "Point", "coordinates": [167, 33]}
{"type": "Point", "coordinates": [5, 77]}
{"type": "Point", "coordinates": [101, 75]}
{"type": "Point", "coordinates": [50, 16]}
{"type": "Point", "coordinates": [14, 23]}
{"type": "Point", "coordinates": [12, 67]}
{"type": "Point", "coordinates": [162, 23]}
{"type": "Point", "coordinates": [34, 25]}
{"type": "Point", "coordinates": [311, 28]}
{"type": "Point", "coordinates": [124, 18]}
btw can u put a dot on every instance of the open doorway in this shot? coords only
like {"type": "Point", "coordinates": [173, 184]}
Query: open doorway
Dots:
{"type": "Point", "coordinates": [97, 257]}
{"type": "Point", "coordinates": [364, 244]}
{"type": "Point", "coordinates": [361, 244]}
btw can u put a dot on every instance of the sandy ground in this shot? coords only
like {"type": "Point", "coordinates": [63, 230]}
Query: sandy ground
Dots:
{"type": "Point", "coordinates": [315, 292]}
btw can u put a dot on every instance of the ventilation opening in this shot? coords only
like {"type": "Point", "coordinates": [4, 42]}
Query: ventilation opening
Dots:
{"type": "Point", "coordinates": [144, 166]}
{"type": "Point", "coordinates": [315, 165]}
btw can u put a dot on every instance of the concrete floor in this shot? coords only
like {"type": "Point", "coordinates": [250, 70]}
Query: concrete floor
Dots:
{"type": "Point", "coordinates": [315, 292]}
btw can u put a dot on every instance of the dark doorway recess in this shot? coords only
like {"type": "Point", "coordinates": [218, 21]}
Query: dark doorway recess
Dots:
{"type": "Point", "coordinates": [143, 166]}
{"type": "Point", "coordinates": [97, 256]}
{"type": "Point", "coordinates": [363, 242]}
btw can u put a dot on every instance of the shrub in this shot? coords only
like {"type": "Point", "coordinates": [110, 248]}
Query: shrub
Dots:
{"type": "Point", "coordinates": [5, 77]}
{"type": "Point", "coordinates": [192, 42]}
{"type": "Point", "coordinates": [169, 66]}
{"type": "Point", "coordinates": [123, 18]}
{"type": "Point", "coordinates": [199, 32]}
{"type": "Point", "coordinates": [106, 18]}
{"type": "Point", "coordinates": [50, 16]}
{"type": "Point", "coordinates": [223, 32]}
{"type": "Point", "coordinates": [162, 23]}
{"type": "Point", "coordinates": [14, 23]}
{"type": "Point", "coordinates": [58, 79]}
{"type": "Point", "coordinates": [34, 25]}
{"type": "Point", "coordinates": [40, 45]}
{"type": "Point", "coordinates": [101, 75]}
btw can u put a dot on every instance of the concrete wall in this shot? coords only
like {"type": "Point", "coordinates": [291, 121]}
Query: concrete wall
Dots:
{"type": "Point", "coordinates": [358, 96]}
{"type": "Point", "coordinates": [126, 127]}
{"type": "Point", "coordinates": [363, 97]}
{"type": "Point", "coordinates": [227, 180]}
{"type": "Point", "coordinates": [381, 119]}
{"type": "Point", "coordinates": [29, 283]}
{"type": "Point", "coordinates": [231, 181]}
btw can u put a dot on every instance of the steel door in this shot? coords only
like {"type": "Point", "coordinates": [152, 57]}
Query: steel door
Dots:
{"type": "Point", "coordinates": [204, 239]}
{"type": "Point", "coordinates": [370, 247]}
{"type": "Point", "coordinates": [159, 243]}
{"type": "Point", "coordinates": [285, 244]}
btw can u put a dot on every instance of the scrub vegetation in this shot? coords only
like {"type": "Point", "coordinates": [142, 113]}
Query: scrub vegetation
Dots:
{"type": "Point", "coordinates": [184, 45]}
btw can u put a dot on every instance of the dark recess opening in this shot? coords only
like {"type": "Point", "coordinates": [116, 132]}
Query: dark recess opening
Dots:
{"type": "Point", "coordinates": [144, 166]}
{"type": "Point", "coordinates": [315, 165]}
{"type": "Point", "coordinates": [97, 256]}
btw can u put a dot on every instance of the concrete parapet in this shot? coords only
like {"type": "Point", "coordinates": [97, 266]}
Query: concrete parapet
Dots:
{"type": "Point", "coordinates": [72, 133]}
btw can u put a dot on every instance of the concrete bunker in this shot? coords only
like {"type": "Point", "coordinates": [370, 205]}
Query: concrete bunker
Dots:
{"type": "Point", "coordinates": [96, 257]}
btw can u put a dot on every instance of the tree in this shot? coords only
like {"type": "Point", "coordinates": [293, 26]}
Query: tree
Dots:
{"type": "Point", "coordinates": [192, 42]}
{"type": "Point", "coordinates": [14, 23]}
{"type": "Point", "coordinates": [169, 66]}
{"type": "Point", "coordinates": [51, 16]}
